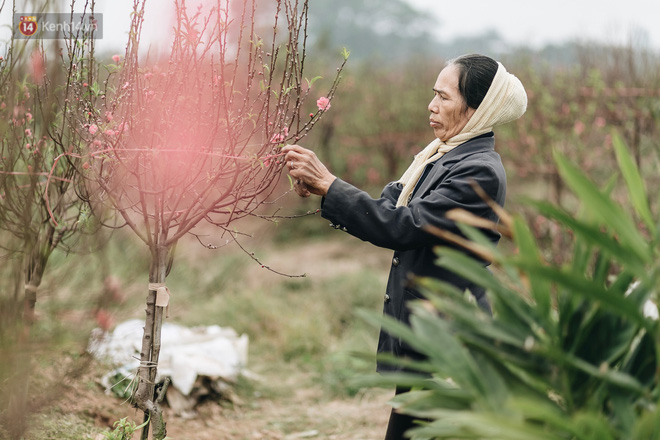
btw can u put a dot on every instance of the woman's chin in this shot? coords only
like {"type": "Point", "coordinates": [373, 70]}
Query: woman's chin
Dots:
{"type": "Point", "coordinates": [440, 134]}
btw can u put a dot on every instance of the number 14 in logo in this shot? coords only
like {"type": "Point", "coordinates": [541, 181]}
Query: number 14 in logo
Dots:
{"type": "Point", "coordinates": [28, 25]}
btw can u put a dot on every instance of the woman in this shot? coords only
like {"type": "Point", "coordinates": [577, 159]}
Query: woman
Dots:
{"type": "Point", "coordinates": [472, 94]}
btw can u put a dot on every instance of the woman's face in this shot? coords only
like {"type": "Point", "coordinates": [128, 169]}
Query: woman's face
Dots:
{"type": "Point", "coordinates": [449, 113]}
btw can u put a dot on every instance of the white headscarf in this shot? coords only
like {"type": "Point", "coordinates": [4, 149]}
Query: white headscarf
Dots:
{"type": "Point", "coordinates": [504, 102]}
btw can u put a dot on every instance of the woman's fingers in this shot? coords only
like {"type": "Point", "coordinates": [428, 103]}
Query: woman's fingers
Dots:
{"type": "Point", "coordinates": [298, 155]}
{"type": "Point", "coordinates": [305, 166]}
{"type": "Point", "coordinates": [301, 188]}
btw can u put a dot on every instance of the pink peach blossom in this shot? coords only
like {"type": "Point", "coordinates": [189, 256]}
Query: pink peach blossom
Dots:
{"type": "Point", "coordinates": [323, 103]}
{"type": "Point", "coordinates": [28, 132]}
{"type": "Point", "coordinates": [93, 129]}
{"type": "Point", "coordinates": [116, 58]}
{"type": "Point", "coordinates": [37, 64]}
{"type": "Point", "coordinates": [277, 138]}
{"type": "Point", "coordinates": [108, 116]}
{"type": "Point", "coordinates": [28, 115]}
{"type": "Point", "coordinates": [578, 128]}
{"type": "Point", "coordinates": [104, 319]}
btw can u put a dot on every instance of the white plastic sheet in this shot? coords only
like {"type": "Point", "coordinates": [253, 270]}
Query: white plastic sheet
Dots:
{"type": "Point", "coordinates": [186, 353]}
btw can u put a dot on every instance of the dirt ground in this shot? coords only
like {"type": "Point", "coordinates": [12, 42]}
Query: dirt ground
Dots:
{"type": "Point", "coordinates": [288, 412]}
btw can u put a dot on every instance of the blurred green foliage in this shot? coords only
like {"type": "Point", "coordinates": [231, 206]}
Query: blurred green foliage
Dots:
{"type": "Point", "coordinates": [572, 351]}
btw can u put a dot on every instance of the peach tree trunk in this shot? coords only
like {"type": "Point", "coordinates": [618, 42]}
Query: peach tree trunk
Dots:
{"type": "Point", "coordinates": [148, 397]}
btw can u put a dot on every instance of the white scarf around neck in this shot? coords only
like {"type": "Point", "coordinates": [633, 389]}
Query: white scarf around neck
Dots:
{"type": "Point", "coordinates": [504, 102]}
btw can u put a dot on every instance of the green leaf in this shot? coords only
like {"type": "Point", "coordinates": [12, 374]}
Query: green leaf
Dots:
{"type": "Point", "coordinates": [578, 285]}
{"type": "Point", "coordinates": [345, 53]}
{"type": "Point", "coordinates": [540, 289]}
{"type": "Point", "coordinates": [634, 182]}
{"type": "Point", "coordinates": [312, 81]}
{"type": "Point", "coordinates": [388, 380]}
{"type": "Point", "coordinates": [514, 308]}
{"type": "Point", "coordinates": [602, 207]}
{"type": "Point", "coordinates": [594, 236]}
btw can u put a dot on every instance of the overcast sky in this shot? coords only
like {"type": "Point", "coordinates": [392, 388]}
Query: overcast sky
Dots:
{"type": "Point", "coordinates": [519, 21]}
{"type": "Point", "coordinates": [537, 22]}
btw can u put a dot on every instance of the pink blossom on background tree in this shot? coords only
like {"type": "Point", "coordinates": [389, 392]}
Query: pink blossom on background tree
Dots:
{"type": "Point", "coordinates": [194, 137]}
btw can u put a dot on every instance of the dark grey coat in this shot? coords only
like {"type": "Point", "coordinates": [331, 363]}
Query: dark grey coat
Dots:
{"type": "Point", "coordinates": [378, 221]}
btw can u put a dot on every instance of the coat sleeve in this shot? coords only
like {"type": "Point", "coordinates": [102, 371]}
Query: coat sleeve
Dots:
{"type": "Point", "coordinates": [380, 222]}
{"type": "Point", "coordinates": [391, 191]}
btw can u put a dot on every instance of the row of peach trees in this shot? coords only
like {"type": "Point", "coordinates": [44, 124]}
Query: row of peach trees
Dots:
{"type": "Point", "coordinates": [157, 145]}
{"type": "Point", "coordinates": [572, 108]}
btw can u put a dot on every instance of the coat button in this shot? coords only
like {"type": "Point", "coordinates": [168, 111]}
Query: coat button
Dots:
{"type": "Point", "coordinates": [387, 298]}
{"type": "Point", "coordinates": [395, 261]}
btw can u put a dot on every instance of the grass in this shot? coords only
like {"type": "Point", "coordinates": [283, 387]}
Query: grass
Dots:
{"type": "Point", "coordinates": [56, 424]}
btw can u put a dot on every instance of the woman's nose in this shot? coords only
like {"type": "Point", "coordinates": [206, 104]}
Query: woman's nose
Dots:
{"type": "Point", "coordinates": [433, 106]}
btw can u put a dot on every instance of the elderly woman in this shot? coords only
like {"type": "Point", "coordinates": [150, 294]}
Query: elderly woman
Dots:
{"type": "Point", "coordinates": [471, 95]}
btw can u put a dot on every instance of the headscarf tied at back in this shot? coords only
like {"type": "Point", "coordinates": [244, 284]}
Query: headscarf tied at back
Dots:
{"type": "Point", "coordinates": [504, 102]}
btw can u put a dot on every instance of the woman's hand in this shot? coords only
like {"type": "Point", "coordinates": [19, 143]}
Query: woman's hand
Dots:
{"type": "Point", "coordinates": [312, 177]}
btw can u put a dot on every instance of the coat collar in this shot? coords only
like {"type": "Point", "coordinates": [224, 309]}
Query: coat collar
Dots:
{"type": "Point", "coordinates": [485, 142]}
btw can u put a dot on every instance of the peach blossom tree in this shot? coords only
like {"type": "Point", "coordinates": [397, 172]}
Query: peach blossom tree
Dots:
{"type": "Point", "coordinates": [195, 136]}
